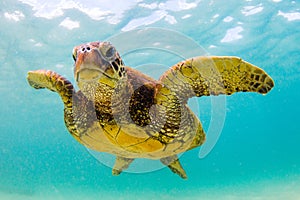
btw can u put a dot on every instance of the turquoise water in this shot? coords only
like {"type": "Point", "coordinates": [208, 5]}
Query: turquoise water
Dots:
{"type": "Point", "coordinates": [257, 153]}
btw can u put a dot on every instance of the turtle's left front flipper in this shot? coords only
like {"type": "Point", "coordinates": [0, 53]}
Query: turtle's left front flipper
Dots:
{"type": "Point", "coordinates": [215, 75]}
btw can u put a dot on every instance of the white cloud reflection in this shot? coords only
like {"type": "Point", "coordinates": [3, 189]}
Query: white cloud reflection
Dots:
{"type": "Point", "coordinates": [178, 5]}
{"type": "Point", "coordinates": [15, 16]}
{"type": "Point", "coordinates": [186, 16]}
{"type": "Point", "coordinates": [251, 10]}
{"type": "Point", "coordinates": [112, 13]}
{"type": "Point", "coordinates": [97, 10]}
{"type": "Point", "coordinates": [149, 6]}
{"type": "Point", "coordinates": [290, 16]}
{"type": "Point", "coordinates": [233, 34]}
{"type": "Point", "coordinates": [228, 19]}
{"type": "Point", "coordinates": [69, 24]}
{"type": "Point", "coordinates": [162, 12]}
{"type": "Point", "coordinates": [154, 17]}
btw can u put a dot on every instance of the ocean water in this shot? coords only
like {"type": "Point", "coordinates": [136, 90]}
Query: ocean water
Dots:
{"type": "Point", "coordinates": [253, 140]}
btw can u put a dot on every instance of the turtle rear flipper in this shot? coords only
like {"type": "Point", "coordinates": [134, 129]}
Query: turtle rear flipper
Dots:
{"type": "Point", "coordinates": [215, 75]}
{"type": "Point", "coordinates": [121, 164]}
{"type": "Point", "coordinates": [174, 165]}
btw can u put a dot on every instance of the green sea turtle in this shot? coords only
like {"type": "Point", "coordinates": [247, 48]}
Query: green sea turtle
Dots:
{"type": "Point", "coordinates": [123, 112]}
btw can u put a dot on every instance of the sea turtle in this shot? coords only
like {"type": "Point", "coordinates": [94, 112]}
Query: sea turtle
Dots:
{"type": "Point", "coordinates": [123, 112]}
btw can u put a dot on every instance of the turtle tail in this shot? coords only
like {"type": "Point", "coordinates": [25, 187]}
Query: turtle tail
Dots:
{"type": "Point", "coordinates": [41, 79]}
{"type": "Point", "coordinates": [215, 75]}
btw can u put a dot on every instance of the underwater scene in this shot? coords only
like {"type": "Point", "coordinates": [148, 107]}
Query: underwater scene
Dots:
{"type": "Point", "coordinates": [252, 145]}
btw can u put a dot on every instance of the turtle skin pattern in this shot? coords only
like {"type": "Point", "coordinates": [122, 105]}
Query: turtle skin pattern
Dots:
{"type": "Point", "coordinates": [123, 112]}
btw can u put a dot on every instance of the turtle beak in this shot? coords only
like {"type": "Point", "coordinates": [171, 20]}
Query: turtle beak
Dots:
{"type": "Point", "coordinates": [89, 66]}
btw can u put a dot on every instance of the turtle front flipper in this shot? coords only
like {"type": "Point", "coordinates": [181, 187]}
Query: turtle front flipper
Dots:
{"type": "Point", "coordinates": [40, 79]}
{"type": "Point", "coordinates": [215, 75]}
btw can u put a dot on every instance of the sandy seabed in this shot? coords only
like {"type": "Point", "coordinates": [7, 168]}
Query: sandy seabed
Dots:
{"type": "Point", "coordinates": [263, 190]}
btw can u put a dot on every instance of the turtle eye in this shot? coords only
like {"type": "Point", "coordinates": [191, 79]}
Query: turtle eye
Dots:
{"type": "Point", "coordinates": [110, 52]}
{"type": "Point", "coordinates": [107, 51]}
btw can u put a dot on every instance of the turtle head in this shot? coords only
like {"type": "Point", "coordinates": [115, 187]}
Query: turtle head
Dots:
{"type": "Point", "coordinates": [97, 62]}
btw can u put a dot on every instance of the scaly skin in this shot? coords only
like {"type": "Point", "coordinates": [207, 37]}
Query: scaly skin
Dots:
{"type": "Point", "coordinates": [41, 79]}
{"type": "Point", "coordinates": [215, 75]}
{"type": "Point", "coordinates": [121, 111]}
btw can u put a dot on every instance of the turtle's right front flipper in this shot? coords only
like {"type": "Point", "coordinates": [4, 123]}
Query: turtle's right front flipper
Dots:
{"type": "Point", "coordinates": [40, 79]}
{"type": "Point", "coordinates": [215, 75]}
